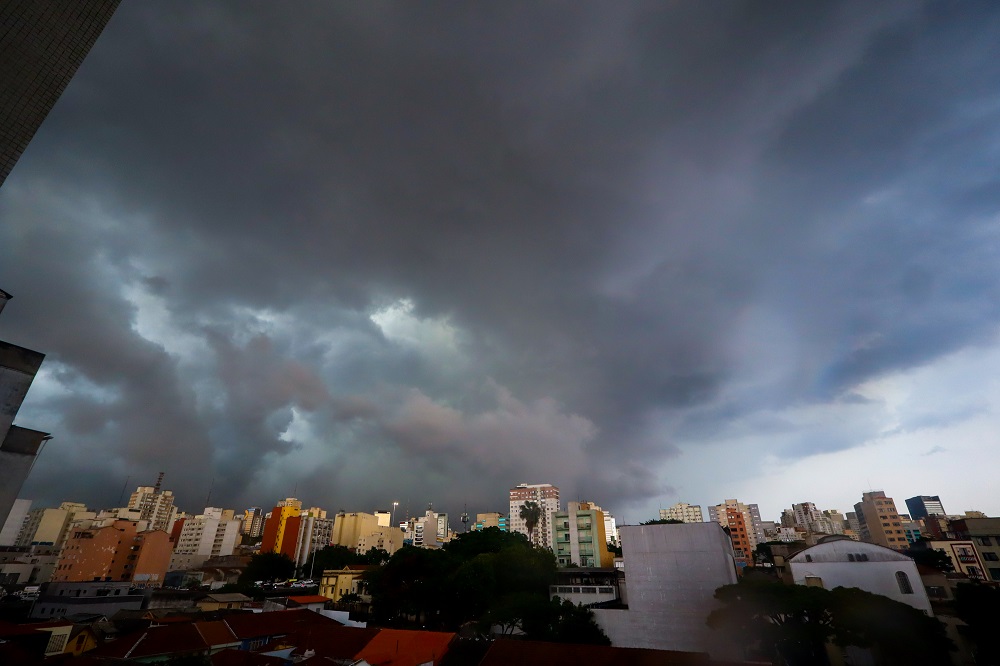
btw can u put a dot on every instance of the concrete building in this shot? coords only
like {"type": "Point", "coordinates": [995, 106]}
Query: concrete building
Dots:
{"type": "Point", "coordinates": [253, 523]}
{"type": "Point", "coordinates": [18, 446]}
{"type": "Point", "coordinates": [205, 536]}
{"type": "Point", "coordinates": [48, 527]}
{"type": "Point", "coordinates": [984, 533]}
{"type": "Point", "coordinates": [384, 518]}
{"type": "Point", "coordinates": [746, 529]}
{"type": "Point", "coordinates": [348, 528]}
{"type": "Point", "coordinates": [922, 506]}
{"type": "Point", "coordinates": [283, 517]}
{"type": "Point", "coordinates": [15, 521]}
{"type": "Point", "coordinates": [42, 45]}
{"type": "Point", "coordinates": [492, 519]}
{"type": "Point", "coordinates": [837, 561]}
{"type": "Point", "coordinates": [546, 496]}
{"type": "Point", "coordinates": [92, 597]}
{"type": "Point", "coordinates": [314, 533]}
{"type": "Point", "coordinates": [424, 531]}
{"type": "Point", "coordinates": [155, 506]}
{"type": "Point", "coordinates": [684, 512]}
{"type": "Point", "coordinates": [335, 583]}
{"type": "Point", "coordinates": [963, 556]}
{"type": "Point", "coordinates": [879, 521]}
{"type": "Point", "coordinates": [580, 539]}
{"type": "Point", "coordinates": [389, 539]}
{"type": "Point", "coordinates": [671, 574]}
{"type": "Point", "coordinates": [118, 552]}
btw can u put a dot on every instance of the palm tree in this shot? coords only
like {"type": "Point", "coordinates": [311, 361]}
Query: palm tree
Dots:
{"type": "Point", "coordinates": [531, 513]}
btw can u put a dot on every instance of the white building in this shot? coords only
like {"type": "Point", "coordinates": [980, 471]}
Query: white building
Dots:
{"type": "Point", "coordinates": [838, 561]}
{"type": "Point", "coordinates": [204, 536]}
{"type": "Point", "coordinates": [15, 519]}
{"type": "Point", "coordinates": [671, 575]}
{"type": "Point", "coordinates": [546, 496]}
{"type": "Point", "coordinates": [751, 518]}
{"type": "Point", "coordinates": [154, 505]}
{"type": "Point", "coordinates": [684, 512]}
{"type": "Point", "coordinates": [315, 533]}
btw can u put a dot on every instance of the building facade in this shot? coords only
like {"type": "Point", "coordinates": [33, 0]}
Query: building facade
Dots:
{"type": "Point", "coordinates": [684, 512]}
{"type": "Point", "coordinates": [491, 519]}
{"type": "Point", "coordinates": [202, 537]}
{"type": "Point", "coordinates": [118, 552]}
{"type": "Point", "coordinates": [984, 533]}
{"type": "Point", "coordinates": [580, 538]}
{"type": "Point", "coordinates": [348, 528]}
{"type": "Point", "coordinates": [546, 496]}
{"type": "Point", "coordinates": [922, 506]}
{"type": "Point", "coordinates": [879, 521]}
{"type": "Point", "coordinates": [155, 506]}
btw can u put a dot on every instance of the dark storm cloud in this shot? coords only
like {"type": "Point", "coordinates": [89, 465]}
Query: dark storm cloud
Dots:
{"type": "Point", "coordinates": [369, 250]}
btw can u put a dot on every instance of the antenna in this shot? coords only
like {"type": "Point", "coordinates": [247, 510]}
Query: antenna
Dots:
{"type": "Point", "coordinates": [121, 497]}
{"type": "Point", "coordinates": [159, 482]}
{"type": "Point", "coordinates": [465, 517]}
{"type": "Point", "coordinates": [208, 500]}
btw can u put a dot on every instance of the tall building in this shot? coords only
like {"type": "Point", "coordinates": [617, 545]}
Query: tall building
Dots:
{"type": "Point", "coordinates": [42, 44]}
{"type": "Point", "coordinates": [745, 527]}
{"type": "Point", "coordinates": [348, 528]}
{"type": "Point", "coordinates": [18, 446]}
{"type": "Point", "coordinates": [48, 527]}
{"type": "Point", "coordinates": [253, 522]}
{"type": "Point", "coordinates": [155, 506]}
{"type": "Point", "coordinates": [580, 538]}
{"type": "Point", "coordinates": [684, 512]}
{"type": "Point", "coordinates": [117, 552]}
{"type": "Point", "coordinates": [546, 496]}
{"type": "Point", "coordinates": [879, 521]}
{"type": "Point", "coordinates": [15, 520]}
{"type": "Point", "coordinates": [284, 517]}
{"type": "Point", "coordinates": [922, 506]}
{"type": "Point", "coordinates": [211, 534]}
{"type": "Point", "coordinates": [315, 532]}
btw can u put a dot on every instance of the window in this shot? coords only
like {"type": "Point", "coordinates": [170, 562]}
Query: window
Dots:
{"type": "Point", "coordinates": [984, 541]}
{"type": "Point", "coordinates": [992, 557]}
{"type": "Point", "coordinates": [904, 583]}
{"type": "Point", "coordinates": [809, 558]}
{"type": "Point", "coordinates": [995, 573]}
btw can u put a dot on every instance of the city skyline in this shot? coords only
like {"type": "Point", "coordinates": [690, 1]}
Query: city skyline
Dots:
{"type": "Point", "coordinates": [649, 254]}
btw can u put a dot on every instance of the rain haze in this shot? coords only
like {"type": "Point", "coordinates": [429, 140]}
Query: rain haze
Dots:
{"type": "Point", "coordinates": [359, 253]}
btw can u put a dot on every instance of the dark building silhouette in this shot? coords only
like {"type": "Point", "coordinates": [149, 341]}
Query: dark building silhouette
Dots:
{"type": "Point", "coordinates": [42, 43]}
{"type": "Point", "coordinates": [922, 506]}
{"type": "Point", "coordinates": [18, 446]}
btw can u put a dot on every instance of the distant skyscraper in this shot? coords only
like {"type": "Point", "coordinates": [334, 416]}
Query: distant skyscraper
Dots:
{"type": "Point", "coordinates": [922, 506]}
{"type": "Point", "coordinates": [684, 512]}
{"type": "Point", "coordinates": [42, 43]}
{"type": "Point", "coordinates": [18, 446]}
{"type": "Point", "coordinates": [154, 505]}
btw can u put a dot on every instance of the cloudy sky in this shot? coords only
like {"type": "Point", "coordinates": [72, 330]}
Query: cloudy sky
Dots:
{"type": "Point", "coordinates": [360, 252]}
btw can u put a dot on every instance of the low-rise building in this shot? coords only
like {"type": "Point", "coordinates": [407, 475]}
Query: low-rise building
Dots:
{"type": "Point", "coordinates": [984, 533]}
{"type": "Point", "coordinates": [335, 583]}
{"type": "Point", "coordinates": [490, 519]}
{"type": "Point", "coordinates": [838, 561]}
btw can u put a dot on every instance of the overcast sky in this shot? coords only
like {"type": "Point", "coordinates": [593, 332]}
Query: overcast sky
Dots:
{"type": "Point", "coordinates": [360, 252]}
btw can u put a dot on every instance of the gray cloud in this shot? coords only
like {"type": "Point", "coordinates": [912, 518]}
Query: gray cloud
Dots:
{"type": "Point", "coordinates": [369, 253]}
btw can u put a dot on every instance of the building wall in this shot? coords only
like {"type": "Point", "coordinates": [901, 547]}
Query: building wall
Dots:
{"type": "Point", "coordinates": [984, 533]}
{"type": "Point", "coordinates": [580, 538]}
{"type": "Point", "coordinates": [547, 497]}
{"type": "Point", "coordinates": [152, 552]}
{"type": "Point", "coordinates": [671, 574]}
{"type": "Point", "coordinates": [18, 450]}
{"type": "Point", "coordinates": [831, 566]}
{"type": "Point", "coordinates": [963, 556]}
{"type": "Point", "coordinates": [491, 519]}
{"type": "Point", "coordinates": [684, 512]}
{"type": "Point", "coordinates": [880, 522]}
{"type": "Point", "coordinates": [349, 527]}
{"type": "Point", "coordinates": [15, 521]}
{"type": "Point", "coordinates": [389, 539]}
{"type": "Point", "coordinates": [274, 527]}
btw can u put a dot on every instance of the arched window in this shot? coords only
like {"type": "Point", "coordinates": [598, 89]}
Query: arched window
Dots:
{"type": "Point", "coordinates": [809, 558]}
{"type": "Point", "coordinates": [904, 583]}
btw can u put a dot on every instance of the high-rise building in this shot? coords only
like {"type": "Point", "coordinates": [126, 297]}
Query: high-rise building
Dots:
{"type": "Point", "coordinates": [48, 527]}
{"type": "Point", "coordinates": [211, 534]}
{"type": "Point", "coordinates": [348, 528]}
{"type": "Point", "coordinates": [18, 446]}
{"type": "Point", "coordinates": [580, 538]}
{"type": "Point", "coordinates": [745, 526]}
{"type": "Point", "coordinates": [116, 552]}
{"type": "Point", "coordinates": [283, 518]}
{"type": "Point", "coordinates": [253, 522]}
{"type": "Point", "coordinates": [922, 506]}
{"type": "Point", "coordinates": [42, 44]}
{"type": "Point", "coordinates": [879, 521]}
{"type": "Point", "coordinates": [546, 496]}
{"type": "Point", "coordinates": [684, 512]}
{"type": "Point", "coordinates": [315, 532]}
{"type": "Point", "coordinates": [15, 521]}
{"type": "Point", "coordinates": [155, 506]}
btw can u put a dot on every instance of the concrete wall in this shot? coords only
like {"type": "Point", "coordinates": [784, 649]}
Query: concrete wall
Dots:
{"type": "Point", "coordinates": [671, 574]}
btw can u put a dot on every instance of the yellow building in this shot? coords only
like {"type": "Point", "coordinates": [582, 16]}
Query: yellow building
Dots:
{"type": "Point", "coordinates": [335, 583]}
{"type": "Point", "coordinates": [348, 528]}
{"type": "Point", "coordinates": [389, 539]}
{"type": "Point", "coordinates": [274, 527]}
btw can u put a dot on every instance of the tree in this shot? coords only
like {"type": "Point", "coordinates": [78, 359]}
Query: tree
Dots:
{"type": "Point", "coordinates": [267, 567]}
{"type": "Point", "coordinates": [792, 623]}
{"type": "Point", "coordinates": [530, 513]}
{"type": "Point", "coordinates": [663, 521]}
{"type": "Point", "coordinates": [979, 607]}
{"type": "Point", "coordinates": [932, 557]}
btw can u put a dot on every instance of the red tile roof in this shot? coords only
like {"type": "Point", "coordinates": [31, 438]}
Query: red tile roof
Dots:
{"type": "Point", "coordinates": [277, 623]}
{"type": "Point", "coordinates": [528, 653]}
{"type": "Point", "coordinates": [309, 599]}
{"type": "Point", "coordinates": [233, 657]}
{"type": "Point", "coordinates": [334, 643]}
{"type": "Point", "coordinates": [216, 633]}
{"type": "Point", "coordinates": [176, 639]}
{"type": "Point", "coordinates": [399, 647]}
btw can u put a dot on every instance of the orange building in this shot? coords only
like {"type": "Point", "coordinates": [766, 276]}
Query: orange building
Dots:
{"type": "Point", "coordinates": [278, 528]}
{"type": "Point", "coordinates": [742, 546]}
{"type": "Point", "coordinates": [117, 552]}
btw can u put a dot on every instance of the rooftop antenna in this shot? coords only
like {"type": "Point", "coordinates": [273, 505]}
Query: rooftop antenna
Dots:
{"type": "Point", "coordinates": [208, 500]}
{"type": "Point", "coordinates": [159, 482]}
{"type": "Point", "coordinates": [465, 517]}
